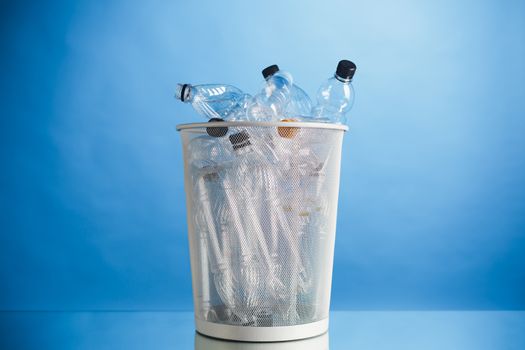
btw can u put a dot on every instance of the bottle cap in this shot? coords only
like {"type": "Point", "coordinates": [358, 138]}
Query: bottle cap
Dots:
{"type": "Point", "coordinates": [240, 140]}
{"type": "Point", "coordinates": [216, 131]}
{"type": "Point", "coordinates": [182, 92]}
{"type": "Point", "coordinates": [345, 70]}
{"type": "Point", "coordinates": [270, 70]}
{"type": "Point", "coordinates": [287, 132]}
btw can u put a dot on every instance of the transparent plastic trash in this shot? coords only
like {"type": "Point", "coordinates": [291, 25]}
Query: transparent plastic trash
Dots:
{"type": "Point", "coordinates": [279, 98]}
{"type": "Point", "coordinates": [335, 96]}
{"type": "Point", "coordinates": [214, 101]}
{"type": "Point", "coordinates": [262, 204]}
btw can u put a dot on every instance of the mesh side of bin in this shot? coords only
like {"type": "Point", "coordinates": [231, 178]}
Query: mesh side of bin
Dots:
{"type": "Point", "coordinates": [262, 204]}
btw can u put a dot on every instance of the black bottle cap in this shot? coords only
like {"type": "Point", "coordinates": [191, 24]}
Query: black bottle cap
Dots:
{"type": "Point", "coordinates": [345, 70]}
{"type": "Point", "coordinates": [240, 140]}
{"type": "Point", "coordinates": [270, 70]}
{"type": "Point", "coordinates": [216, 131]}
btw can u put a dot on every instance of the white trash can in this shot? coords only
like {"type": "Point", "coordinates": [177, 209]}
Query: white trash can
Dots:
{"type": "Point", "coordinates": [262, 205]}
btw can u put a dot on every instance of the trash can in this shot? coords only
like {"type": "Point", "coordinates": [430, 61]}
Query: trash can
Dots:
{"type": "Point", "coordinates": [261, 207]}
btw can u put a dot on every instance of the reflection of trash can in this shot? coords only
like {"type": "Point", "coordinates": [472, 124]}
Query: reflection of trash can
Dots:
{"type": "Point", "coordinates": [262, 205]}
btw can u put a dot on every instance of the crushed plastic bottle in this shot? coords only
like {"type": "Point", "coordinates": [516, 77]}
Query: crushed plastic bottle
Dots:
{"type": "Point", "coordinates": [214, 100]}
{"type": "Point", "coordinates": [336, 96]}
{"type": "Point", "coordinates": [299, 104]}
{"type": "Point", "coordinates": [208, 158]}
{"type": "Point", "coordinates": [237, 277]}
{"type": "Point", "coordinates": [271, 102]}
{"type": "Point", "coordinates": [234, 183]}
{"type": "Point", "coordinates": [260, 178]}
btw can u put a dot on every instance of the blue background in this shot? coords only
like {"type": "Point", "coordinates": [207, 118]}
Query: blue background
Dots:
{"type": "Point", "coordinates": [432, 205]}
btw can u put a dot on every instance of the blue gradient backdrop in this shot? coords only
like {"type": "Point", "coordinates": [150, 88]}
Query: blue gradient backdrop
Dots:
{"type": "Point", "coordinates": [432, 205]}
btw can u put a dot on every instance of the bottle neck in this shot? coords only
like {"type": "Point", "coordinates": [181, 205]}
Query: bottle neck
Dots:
{"type": "Point", "coordinates": [183, 92]}
{"type": "Point", "coordinates": [343, 80]}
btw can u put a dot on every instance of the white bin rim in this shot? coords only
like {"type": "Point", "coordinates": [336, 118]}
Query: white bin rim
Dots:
{"type": "Point", "coordinates": [311, 125]}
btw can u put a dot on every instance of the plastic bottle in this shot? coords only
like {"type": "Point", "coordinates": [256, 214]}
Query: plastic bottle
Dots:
{"type": "Point", "coordinates": [336, 96]}
{"type": "Point", "coordinates": [234, 260]}
{"type": "Point", "coordinates": [299, 103]}
{"type": "Point", "coordinates": [207, 159]}
{"type": "Point", "coordinates": [271, 102]}
{"type": "Point", "coordinates": [214, 100]}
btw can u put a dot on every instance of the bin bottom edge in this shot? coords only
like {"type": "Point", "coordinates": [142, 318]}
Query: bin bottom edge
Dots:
{"type": "Point", "coordinates": [262, 334]}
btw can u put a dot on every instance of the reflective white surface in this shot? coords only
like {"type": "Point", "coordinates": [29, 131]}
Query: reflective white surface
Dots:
{"type": "Point", "coordinates": [375, 330]}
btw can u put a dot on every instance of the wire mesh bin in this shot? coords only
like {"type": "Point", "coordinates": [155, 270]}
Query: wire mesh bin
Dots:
{"type": "Point", "coordinates": [262, 205]}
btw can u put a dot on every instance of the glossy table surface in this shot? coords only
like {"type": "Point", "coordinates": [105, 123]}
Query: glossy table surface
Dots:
{"type": "Point", "coordinates": [348, 330]}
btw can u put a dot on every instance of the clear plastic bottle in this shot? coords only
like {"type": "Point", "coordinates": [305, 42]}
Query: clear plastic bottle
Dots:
{"type": "Point", "coordinates": [214, 100]}
{"type": "Point", "coordinates": [227, 217]}
{"type": "Point", "coordinates": [299, 104]}
{"type": "Point", "coordinates": [207, 160]}
{"type": "Point", "coordinates": [233, 263]}
{"type": "Point", "coordinates": [259, 182]}
{"type": "Point", "coordinates": [271, 102]}
{"type": "Point", "coordinates": [336, 96]}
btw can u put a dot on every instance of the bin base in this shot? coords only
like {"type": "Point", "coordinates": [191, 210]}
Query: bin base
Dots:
{"type": "Point", "coordinates": [262, 334]}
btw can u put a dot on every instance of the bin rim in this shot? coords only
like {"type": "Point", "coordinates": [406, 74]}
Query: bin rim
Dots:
{"type": "Point", "coordinates": [310, 125]}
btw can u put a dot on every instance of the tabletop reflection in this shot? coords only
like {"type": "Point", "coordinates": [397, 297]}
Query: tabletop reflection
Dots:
{"type": "Point", "coordinates": [349, 330]}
